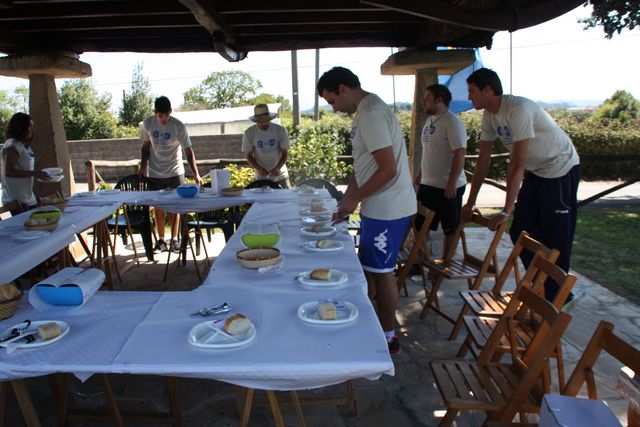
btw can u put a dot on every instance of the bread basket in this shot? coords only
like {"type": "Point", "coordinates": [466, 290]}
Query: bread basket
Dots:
{"type": "Point", "coordinates": [8, 306]}
{"type": "Point", "coordinates": [42, 227]}
{"type": "Point", "coordinates": [59, 203]}
{"type": "Point", "coordinates": [232, 191]}
{"type": "Point", "coordinates": [259, 257]}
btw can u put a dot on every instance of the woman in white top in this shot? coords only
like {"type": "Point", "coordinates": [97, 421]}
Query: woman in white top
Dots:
{"type": "Point", "coordinates": [18, 163]}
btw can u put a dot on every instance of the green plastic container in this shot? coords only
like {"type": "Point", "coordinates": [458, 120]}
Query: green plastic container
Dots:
{"type": "Point", "coordinates": [253, 240]}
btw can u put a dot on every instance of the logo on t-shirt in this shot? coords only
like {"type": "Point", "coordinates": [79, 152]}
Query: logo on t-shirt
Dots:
{"type": "Point", "coordinates": [264, 144]}
{"type": "Point", "coordinates": [165, 135]}
{"type": "Point", "coordinates": [504, 131]}
{"type": "Point", "coordinates": [353, 132]}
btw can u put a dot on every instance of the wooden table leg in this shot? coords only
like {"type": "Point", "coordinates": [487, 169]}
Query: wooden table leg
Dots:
{"type": "Point", "coordinates": [275, 408]}
{"type": "Point", "coordinates": [298, 408]}
{"type": "Point", "coordinates": [174, 401]}
{"type": "Point", "coordinates": [246, 405]}
{"type": "Point", "coordinates": [59, 389]}
{"type": "Point", "coordinates": [3, 402]}
{"type": "Point", "coordinates": [111, 401]}
{"type": "Point", "coordinates": [26, 405]}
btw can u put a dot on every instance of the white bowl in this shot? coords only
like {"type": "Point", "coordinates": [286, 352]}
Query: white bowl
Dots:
{"type": "Point", "coordinates": [258, 257]}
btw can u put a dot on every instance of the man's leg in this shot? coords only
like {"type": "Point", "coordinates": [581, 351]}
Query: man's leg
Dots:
{"type": "Point", "coordinates": [526, 216]}
{"type": "Point", "coordinates": [386, 299]}
{"type": "Point", "coordinates": [160, 222]}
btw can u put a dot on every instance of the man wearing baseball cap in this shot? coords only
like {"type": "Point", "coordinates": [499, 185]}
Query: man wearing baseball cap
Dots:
{"type": "Point", "coordinates": [266, 146]}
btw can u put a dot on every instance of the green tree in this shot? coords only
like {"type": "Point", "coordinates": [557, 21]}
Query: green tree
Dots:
{"type": "Point", "coordinates": [622, 108]}
{"type": "Point", "coordinates": [85, 113]}
{"type": "Point", "coordinates": [11, 103]}
{"type": "Point", "coordinates": [137, 104]}
{"type": "Point", "coordinates": [267, 98]}
{"type": "Point", "coordinates": [222, 89]}
{"type": "Point", "coordinates": [613, 15]}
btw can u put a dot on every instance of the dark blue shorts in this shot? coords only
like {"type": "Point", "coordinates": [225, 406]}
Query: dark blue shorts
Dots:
{"type": "Point", "coordinates": [171, 182]}
{"type": "Point", "coordinates": [380, 242]}
{"type": "Point", "coordinates": [447, 210]}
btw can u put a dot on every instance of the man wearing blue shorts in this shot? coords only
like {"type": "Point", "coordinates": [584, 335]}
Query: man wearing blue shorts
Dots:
{"type": "Point", "coordinates": [381, 182]}
{"type": "Point", "coordinates": [441, 180]}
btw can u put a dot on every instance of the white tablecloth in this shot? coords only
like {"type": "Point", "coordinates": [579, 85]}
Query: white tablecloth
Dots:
{"type": "Point", "coordinates": [18, 257]}
{"type": "Point", "coordinates": [122, 332]}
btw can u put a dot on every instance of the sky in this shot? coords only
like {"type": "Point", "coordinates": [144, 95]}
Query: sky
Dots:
{"type": "Point", "coordinates": [554, 61]}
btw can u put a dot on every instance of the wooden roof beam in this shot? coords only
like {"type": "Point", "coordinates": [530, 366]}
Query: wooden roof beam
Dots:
{"type": "Point", "coordinates": [487, 20]}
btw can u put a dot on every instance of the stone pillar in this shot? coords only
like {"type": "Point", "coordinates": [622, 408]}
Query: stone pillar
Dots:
{"type": "Point", "coordinates": [425, 66]}
{"type": "Point", "coordinates": [49, 139]}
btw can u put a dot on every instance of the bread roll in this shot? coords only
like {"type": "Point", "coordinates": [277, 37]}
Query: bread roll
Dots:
{"type": "Point", "coordinates": [317, 229]}
{"type": "Point", "coordinates": [324, 244]}
{"type": "Point", "coordinates": [237, 324]}
{"type": "Point", "coordinates": [8, 291]}
{"type": "Point", "coordinates": [327, 311]}
{"type": "Point", "coordinates": [321, 274]}
{"type": "Point", "coordinates": [49, 331]}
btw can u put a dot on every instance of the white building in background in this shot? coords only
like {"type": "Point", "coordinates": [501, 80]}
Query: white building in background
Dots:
{"type": "Point", "coordinates": [220, 121]}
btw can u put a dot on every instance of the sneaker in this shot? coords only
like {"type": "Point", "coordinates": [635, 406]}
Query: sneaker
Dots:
{"type": "Point", "coordinates": [571, 299]}
{"type": "Point", "coordinates": [160, 246]}
{"type": "Point", "coordinates": [175, 246]}
{"type": "Point", "coordinates": [394, 346]}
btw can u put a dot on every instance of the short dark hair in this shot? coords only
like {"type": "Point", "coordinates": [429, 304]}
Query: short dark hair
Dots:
{"type": "Point", "coordinates": [442, 92]}
{"type": "Point", "coordinates": [18, 126]}
{"type": "Point", "coordinates": [484, 77]}
{"type": "Point", "coordinates": [332, 79]}
{"type": "Point", "coordinates": [162, 105]}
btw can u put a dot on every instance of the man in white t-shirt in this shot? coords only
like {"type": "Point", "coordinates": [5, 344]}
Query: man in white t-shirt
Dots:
{"type": "Point", "coordinates": [543, 172]}
{"type": "Point", "coordinates": [266, 146]}
{"type": "Point", "coordinates": [441, 180]}
{"type": "Point", "coordinates": [381, 182]}
{"type": "Point", "coordinates": [163, 140]}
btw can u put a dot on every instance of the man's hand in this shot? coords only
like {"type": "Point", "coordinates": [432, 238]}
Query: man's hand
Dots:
{"type": "Point", "coordinates": [495, 222]}
{"type": "Point", "coordinates": [198, 179]}
{"type": "Point", "coordinates": [417, 179]}
{"type": "Point", "coordinates": [42, 175]}
{"type": "Point", "coordinates": [467, 212]}
{"type": "Point", "coordinates": [142, 171]}
{"type": "Point", "coordinates": [262, 171]}
{"type": "Point", "coordinates": [346, 206]}
{"type": "Point", "coordinates": [450, 191]}
{"type": "Point", "coordinates": [275, 172]}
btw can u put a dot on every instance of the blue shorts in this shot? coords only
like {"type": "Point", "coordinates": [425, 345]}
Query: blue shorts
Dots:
{"type": "Point", "coordinates": [380, 242]}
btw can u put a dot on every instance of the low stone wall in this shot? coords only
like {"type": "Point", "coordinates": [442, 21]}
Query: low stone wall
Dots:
{"type": "Point", "coordinates": [205, 147]}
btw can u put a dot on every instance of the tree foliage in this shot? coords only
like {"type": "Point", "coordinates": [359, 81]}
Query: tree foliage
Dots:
{"type": "Point", "coordinates": [613, 15]}
{"type": "Point", "coordinates": [267, 98]}
{"type": "Point", "coordinates": [622, 108]}
{"type": "Point", "coordinates": [11, 103]}
{"type": "Point", "coordinates": [137, 104]}
{"type": "Point", "coordinates": [85, 113]}
{"type": "Point", "coordinates": [222, 89]}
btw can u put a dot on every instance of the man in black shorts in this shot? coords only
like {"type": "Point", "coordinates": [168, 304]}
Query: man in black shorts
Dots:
{"type": "Point", "coordinates": [441, 180]}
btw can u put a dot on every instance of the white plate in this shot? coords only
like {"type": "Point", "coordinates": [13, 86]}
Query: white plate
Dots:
{"type": "Point", "coordinates": [203, 335]}
{"type": "Point", "coordinates": [107, 192]}
{"type": "Point", "coordinates": [64, 327]}
{"type": "Point", "coordinates": [86, 194]}
{"type": "Point", "coordinates": [311, 213]}
{"type": "Point", "coordinates": [27, 235]}
{"type": "Point", "coordinates": [53, 171]}
{"type": "Point", "coordinates": [347, 312]}
{"type": "Point", "coordinates": [328, 231]}
{"type": "Point", "coordinates": [337, 278]}
{"type": "Point", "coordinates": [262, 190]}
{"type": "Point", "coordinates": [311, 220]}
{"type": "Point", "coordinates": [311, 246]}
{"type": "Point", "coordinates": [52, 178]}
{"type": "Point", "coordinates": [165, 191]}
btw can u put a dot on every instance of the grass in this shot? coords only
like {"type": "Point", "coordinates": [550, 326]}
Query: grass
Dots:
{"type": "Point", "coordinates": [605, 248]}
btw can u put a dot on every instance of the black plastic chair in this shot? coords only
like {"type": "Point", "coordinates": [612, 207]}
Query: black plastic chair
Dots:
{"type": "Point", "coordinates": [323, 183]}
{"type": "Point", "coordinates": [139, 218]}
{"type": "Point", "coordinates": [219, 218]}
{"type": "Point", "coordinates": [259, 183]}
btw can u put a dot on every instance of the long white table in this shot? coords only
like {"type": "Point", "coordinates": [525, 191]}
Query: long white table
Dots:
{"type": "Point", "coordinates": [146, 333]}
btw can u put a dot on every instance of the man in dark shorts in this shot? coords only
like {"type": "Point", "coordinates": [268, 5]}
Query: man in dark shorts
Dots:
{"type": "Point", "coordinates": [441, 180]}
{"type": "Point", "coordinates": [163, 139]}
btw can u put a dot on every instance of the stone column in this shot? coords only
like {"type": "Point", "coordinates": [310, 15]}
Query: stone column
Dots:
{"type": "Point", "coordinates": [49, 140]}
{"type": "Point", "coordinates": [425, 66]}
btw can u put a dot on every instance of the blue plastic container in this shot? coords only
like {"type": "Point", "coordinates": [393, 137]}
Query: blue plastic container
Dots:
{"type": "Point", "coordinates": [187, 190]}
{"type": "Point", "coordinates": [63, 295]}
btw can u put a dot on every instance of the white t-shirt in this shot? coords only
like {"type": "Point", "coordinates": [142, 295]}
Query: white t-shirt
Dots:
{"type": "Point", "coordinates": [15, 188]}
{"type": "Point", "coordinates": [550, 153]}
{"type": "Point", "coordinates": [167, 143]}
{"type": "Point", "coordinates": [375, 127]}
{"type": "Point", "coordinates": [267, 147]}
{"type": "Point", "coordinates": [441, 136]}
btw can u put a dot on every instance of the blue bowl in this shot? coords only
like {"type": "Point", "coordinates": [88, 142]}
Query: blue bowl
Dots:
{"type": "Point", "coordinates": [187, 190]}
{"type": "Point", "coordinates": [63, 295]}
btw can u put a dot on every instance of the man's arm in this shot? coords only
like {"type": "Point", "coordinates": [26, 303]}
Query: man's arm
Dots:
{"type": "Point", "coordinates": [479, 174]}
{"type": "Point", "coordinates": [191, 159]}
{"type": "Point", "coordinates": [145, 152]}
{"type": "Point", "coordinates": [254, 164]}
{"type": "Point", "coordinates": [284, 156]}
{"type": "Point", "coordinates": [386, 170]}
{"type": "Point", "coordinates": [515, 173]}
{"type": "Point", "coordinates": [457, 164]}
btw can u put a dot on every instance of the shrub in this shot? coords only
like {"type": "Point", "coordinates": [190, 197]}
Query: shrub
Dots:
{"type": "Point", "coordinates": [240, 176]}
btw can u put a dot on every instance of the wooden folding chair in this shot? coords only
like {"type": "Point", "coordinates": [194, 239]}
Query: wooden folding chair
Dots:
{"type": "Point", "coordinates": [603, 339]}
{"type": "Point", "coordinates": [480, 328]}
{"type": "Point", "coordinates": [471, 268]}
{"type": "Point", "coordinates": [503, 389]}
{"type": "Point", "coordinates": [410, 253]}
{"type": "Point", "coordinates": [492, 303]}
